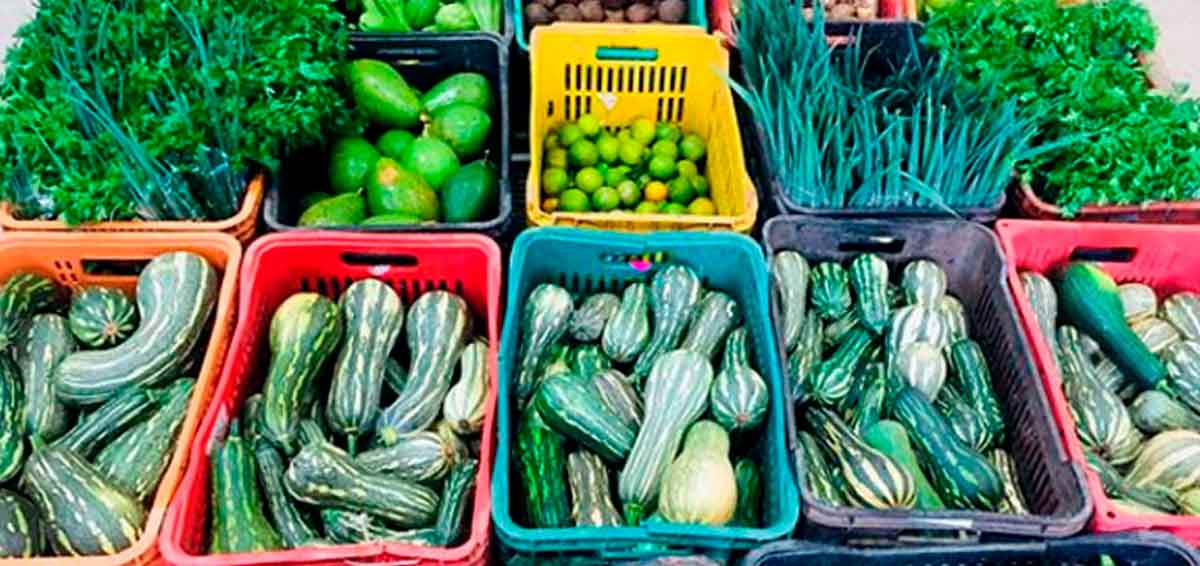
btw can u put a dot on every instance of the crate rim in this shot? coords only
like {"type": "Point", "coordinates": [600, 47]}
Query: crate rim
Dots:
{"type": "Point", "coordinates": [698, 8]}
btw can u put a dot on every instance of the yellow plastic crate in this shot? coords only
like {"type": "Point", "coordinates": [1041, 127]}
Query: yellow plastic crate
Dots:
{"type": "Point", "coordinates": [620, 73]}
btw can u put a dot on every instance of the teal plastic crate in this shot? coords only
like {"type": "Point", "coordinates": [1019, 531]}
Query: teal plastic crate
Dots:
{"type": "Point", "coordinates": [591, 260]}
{"type": "Point", "coordinates": [697, 16]}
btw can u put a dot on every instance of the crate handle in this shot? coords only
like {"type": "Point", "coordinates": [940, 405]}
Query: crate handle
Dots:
{"type": "Point", "coordinates": [370, 259]}
{"type": "Point", "coordinates": [626, 54]}
{"type": "Point", "coordinates": [887, 245]}
{"type": "Point", "coordinates": [1104, 255]}
{"type": "Point", "coordinates": [113, 267]}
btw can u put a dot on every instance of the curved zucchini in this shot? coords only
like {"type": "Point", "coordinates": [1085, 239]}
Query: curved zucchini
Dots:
{"type": "Point", "coordinates": [817, 470]}
{"type": "Point", "coordinates": [675, 292]}
{"type": "Point", "coordinates": [305, 330]}
{"type": "Point", "coordinates": [47, 342]}
{"type": "Point", "coordinates": [571, 406]}
{"type": "Point", "coordinates": [872, 479]}
{"type": "Point", "coordinates": [715, 316]}
{"type": "Point", "coordinates": [466, 401]}
{"type": "Point", "coordinates": [97, 429]}
{"type": "Point", "coordinates": [591, 503]}
{"type": "Point", "coordinates": [618, 394]}
{"type": "Point", "coordinates": [544, 320]}
{"type": "Point", "coordinates": [137, 459]}
{"type": "Point", "coordinates": [628, 331]}
{"type": "Point", "coordinates": [790, 272]}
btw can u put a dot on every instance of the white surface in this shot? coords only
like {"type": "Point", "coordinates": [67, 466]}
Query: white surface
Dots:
{"type": "Point", "coordinates": [12, 14]}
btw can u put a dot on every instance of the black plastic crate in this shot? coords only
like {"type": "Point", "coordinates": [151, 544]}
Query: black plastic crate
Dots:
{"type": "Point", "coordinates": [975, 272]}
{"type": "Point", "coordinates": [423, 59]}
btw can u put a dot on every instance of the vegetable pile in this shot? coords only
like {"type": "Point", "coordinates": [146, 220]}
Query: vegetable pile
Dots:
{"type": "Point", "coordinates": [1077, 71]}
{"type": "Point", "coordinates": [360, 449]}
{"type": "Point", "coordinates": [543, 12]}
{"type": "Point", "coordinates": [899, 410]}
{"type": "Point", "coordinates": [158, 110]}
{"type": "Point", "coordinates": [92, 403]}
{"type": "Point", "coordinates": [604, 392]}
{"type": "Point", "coordinates": [444, 174]}
{"type": "Point", "coordinates": [403, 16]}
{"type": "Point", "coordinates": [645, 167]}
{"type": "Point", "coordinates": [1131, 375]}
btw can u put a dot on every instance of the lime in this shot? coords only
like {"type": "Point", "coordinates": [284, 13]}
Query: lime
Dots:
{"type": "Point", "coordinates": [643, 179]}
{"type": "Point", "coordinates": [569, 134]}
{"type": "Point", "coordinates": [615, 175]}
{"type": "Point", "coordinates": [583, 154]}
{"type": "Point", "coordinates": [692, 147]}
{"type": "Point", "coordinates": [656, 191]}
{"type": "Point", "coordinates": [702, 207]}
{"type": "Point", "coordinates": [557, 158]}
{"type": "Point", "coordinates": [647, 207]}
{"type": "Point", "coordinates": [665, 148]}
{"type": "Point", "coordinates": [686, 168]}
{"type": "Point", "coordinates": [701, 185]}
{"type": "Point", "coordinates": [554, 180]}
{"type": "Point", "coordinates": [629, 192]}
{"type": "Point", "coordinates": [609, 148]}
{"type": "Point", "coordinates": [624, 135]}
{"type": "Point", "coordinates": [550, 205]}
{"type": "Point", "coordinates": [643, 130]}
{"type": "Point", "coordinates": [681, 190]}
{"type": "Point", "coordinates": [661, 167]}
{"type": "Point", "coordinates": [589, 124]}
{"type": "Point", "coordinates": [674, 208]}
{"type": "Point", "coordinates": [630, 152]}
{"type": "Point", "coordinates": [665, 131]}
{"type": "Point", "coordinates": [605, 199]}
{"type": "Point", "coordinates": [551, 142]}
{"type": "Point", "coordinates": [574, 200]}
{"type": "Point", "coordinates": [589, 179]}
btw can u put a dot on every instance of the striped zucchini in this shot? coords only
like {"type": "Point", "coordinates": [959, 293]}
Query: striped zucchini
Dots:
{"type": "Point", "coordinates": [1170, 459]}
{"type": "Point", "coordinates": [458, 450]}
{"type": "Point", "coordinates": [591, 503]}
{"type": "Point", "coordinates": [452, 510]}
{"type": "Point", "coordinates": [23, 295]}
{"type": "Point", "coordinates": [804, 359]}
{"type": "Point", "coordinates": [1183, 373]}
{"type": "Point", "coordinates": [924, 283]}
{"type": "Point", "coordinates": [1138, 302]}
{"type": "Point", "coordinates": [84, 514]}
{"type": "Point", "coordinates": [749, 493]}
{"type": "Point", "coordinates": [350, 527]}
{"type": "Point", "coordinates": [305, 330]}
{"type": "Point", "coordinates": [137, 459]}
{"type": "Point", "coordinates": [587, 322]}
{"type": "Point", "coordinates": [974, 380]}
{"type": "Point", "coordinates": [288, 521]}
{"type": "Point", "coordinates": [834, 377]}
{"type": "Point", "coordinates": [252, 416]}
{"type": "Point", "coordinates": [871, 398]}
{"type": "Point", "coordinates": [872, 480]}
{"type": "Point", "coordinates": [588, 360]}
{"type": "Point", "coordinates": [829, 285]}
{"type": "Point", "coordinates": [98, 428]}
{"type": "Point", "coordinates": [739, 399]}
{"type": "Point", "coordinates": [619, 396]}
{"type": "Point", "coordinates": [1115, 486]}
{"type": "Point", "coordinates": [176, 293]}
{"type": "Point", "coordinates": [544, 320]}
{"type": "Point", "coordinates": [790, 273]}
{"type": "Point", "coordinates": [955, 318]}
{"type": "Point", "coordinates": [737, 349]}
{"type": "Point", "coordinates": [1183, 311]}
{"type": "Point", "coordinates": [890, 438]}
{"type": "Point", "coordinates": [372, 317]}
{"type": "Point", "coordinates": [869, 277]}
{"type": "Point", "coordinates": [714, 317]}
{"type": "Point", "coordinates": [917, 323]}
{"type": "Point", "coordinates": [1014, 500]}
{"type": "Point", "coordinates": [47, 342]}
{"type": "Point", "coordinates": [395, 376]}
{"type": "Point", "coordinates": [675, 395]}
{"type": "Point", "coordinates": [1102, 368]}
{"type": "Point", "coordinates": [628, 331]}
{"type": "Point", "coordinates": [542, 464]}
{"type": "Point", "coordinates": [968, 425]}
{"type": "Point", "coordinates": [835, 331]}
{"type": "Point", "coordinates": [12, 421]}
{"type": "Point", "coordinates": [101, 317]}
{"type": "Point", "coordinates": [21, 527]}
{"type": "Point", "coordinates": [1189, 502]}
{"type": "Point", "coordinates": [817, 471]}
{"type": "Point", "coordinates": [1154, 412]}
{"type": "Point", "coordinates": [466, 401]}
{"type": "Point", "coordinates": [417, 456]}
{"type": "Point", "coordinates": [675, 293]}
{"type": "Point", "coordinates": [238, 522]}
{"type": "Point", "coordinates": [438, 323]}
{"type": "Point", "coordinates": [1101, 419]}
{"type": "Point", "coordinates": [922, 366]}
{"type": "Point", "coordinates": [571, 406]}
{"type": "Point", "coordinates": [1156, 334]}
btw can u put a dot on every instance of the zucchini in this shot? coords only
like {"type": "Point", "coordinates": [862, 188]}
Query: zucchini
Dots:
{"type": "Point", "coordinates": [1101, 419]}
{"type": "Point", "coordinates": [628, 331]}
{"type": "Point", "coordinates": [829, 285]}
{"type": "Point", "coordinates": [22, 535]}
{"type": "Point", "coordinates": [452, 510]}
{"type": "Point", "coordinates": [869, 277]}
{"type": "Point", "coordinates": [98, 428]}
{"type": "Point", "coordinates": [252, 416]}
{"type": "Point", "coordinates": [675, 395]}
{"type": "Point", "coordinates": [23, 295]}
{"type": "Point", "coordinates": [837, 330]}
{"type": "Point", "coordinates": [1154, 412]}
{"type": "Point", "coordinates": [917, 323]}
{"type": "Point", "coordinates": [395, 376]}
{"type": "Point", "coordinates": [674, 295]}
{"type": "Point", "coordinates": [1014, 500]}
{"type": "Point", "coordinates": [588, 360]}
{"type": "Point", "coordinates": [619, 396]}
{"type": "Point", "coordinates": [1170, 459]}
{"type": "Point", "coordinates": [1183, 373]}
{"type": "Point", "coordinates": [587, 322]}
{"type": "Point", "coordinates": [101, 317]}
{"type": "Point", "coordinates": [1156, 334]}
{"type": "Point", "coordinates": [417, 456]}
{"type": "Point", "coordinates": [1138, 302]}
{"type": "Point", "coordinates": [437, 324]}
{"type": "Point", "coordinates": [305, 330]}
{"type": "Point", "coordinates": [542, 464]}
{"type": "Point", "coordinates": [137, 459]}
{"type": "Point", "coordinates": [47, 342]}
{"type": "Point", "coordinates": [714, 317]}
{"type": "Point", "coordinates": [1115, 486]}
{"type": "Point", "coordinates": [288, 522]}
{"type": "Point", "coordinates": [749, 494]}
{"type": "Point", "coordinates": [924, 283]}
{"type": "Point", "coordinates": [571, 406]}
{"type": "Point", "coordinates": [955, 318]}
{"type": "Point", "coordinates": [591, 503]}
{"type": "Point", "coordinates": [12, 422]}
{"type": "Point", "coordinates": [349, 527]}
{"type": "Point", "coordinates": [176, 293]}
{"type": "Point", "coordinates": [890, 438]}
{"type": "Point", "coordinates": [818, 477]}
{"type": "Point", "coordinates": [737, 349]}
{"type": "Point", "coordinates": [806, 356]}
{"type": "Point", "coordinates": [1183, 311]}
{"type": "Point", "coordinates": [921, 365]}
{"type": "Point", "coordinates": [739, 399]}
{"type": "Point", "coordinates": [871, 397]}
{"type": "Point", "coordinates": [1189, 502]}
{"type": "Point", "coordinates": [872, 479]}
{"type": "Point", "coordinates": [968, 425]}
{"type": "Point", "coordinates": [238, 522]}
{"type": "Point", "coordinates": [699, 486]}
{"type": "Point", "coordinates": [466, 402]}
{"type": "Point", "coordinates": [790, 273]}
{"type": "Point", "coordinates": [834, 377]}
{"type": "Point", "coordinates": [973, 379]}
{"type": "Point", "coordinates": [544, 320]}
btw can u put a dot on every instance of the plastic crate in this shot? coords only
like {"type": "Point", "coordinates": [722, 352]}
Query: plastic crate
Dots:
{"type": "Point", "coordinates": [1163, 257]}
{"type": "Point", "coordinates": [669, 73]}
{"type": "Point", "coordinates": [583, 261]}
{"type": "Point", "coordinates": [70, 260]}
{"type": "Point", "coordinates": [874, 32]}
{"type": "Point", "coordinates": [697, 16]}
{"type": "Point", "coordinates": [423, 59]}
{"type": "Point", "coordinates": [241, 226]}
{"type": "Point", "coordinates": [1053, 483]}
{"type": "Point", "coordinates": [1144, 549]}
{"type": "Point", "coordinates": [1030, 205]}
{"type": "Point", "coordinates": [279, 265]}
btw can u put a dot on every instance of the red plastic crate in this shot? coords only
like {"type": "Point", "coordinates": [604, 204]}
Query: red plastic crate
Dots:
{"type": "Point", "coordinates": [279, 265]}
{"type": "Point", "coordinates": [1030, 205]}
{"type": "Point", "coordinates": [1163, 257]}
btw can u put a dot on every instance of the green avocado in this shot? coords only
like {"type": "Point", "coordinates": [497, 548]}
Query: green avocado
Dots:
{"type": "Point", "coordinates": [463, 126]}
{"type": "Point", "coordinates": [460, 88]}
{"type": "Point", "coordinates": [393, 190]}
{"type": "Point", "coordinates": [343, 210]}
{"type": "Point", "coordinates": [310, 199]}
{"type": "Point", "coordinates": [430, 158]}
{"type": "Point", "coordinates": [390, 220]}
{"type": "Point", "coordinates": [392, 142]}
{"type": "Point", "coordinates": [420, 13]}
{"type": "Point", "coordinates": [470, 194]}
{"type": "Point", "coordinates": [350, 159]}
{"type": "Point", "coordinates": [380, 91]}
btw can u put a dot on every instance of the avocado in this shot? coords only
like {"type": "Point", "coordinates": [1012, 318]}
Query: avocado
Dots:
{"type": "Point", "coordinates": [390, 220]}
{"type": "Point", "coordinates": [393, 190]}
{"type": "Point", "coordinates": [350, 159]}
{"type": "Point", "coordinates": [460, 88]}
{"type": "Point", "coordinates": [381, 93]}
{"type": "Point", "coordinates": [343, 210]}
{"type": "Point", "coordinates": [430, 158]}
{"type": "Point", "coordinates": [420, 13]}
{"type": "Point", "coordinates": [310, 199]}
{"type": "Point", "coordinates": [392, 142]}
{"type": "Point", "coordinates": [470, 194]}
{"type": "Point", "coordinates": [463, 126]}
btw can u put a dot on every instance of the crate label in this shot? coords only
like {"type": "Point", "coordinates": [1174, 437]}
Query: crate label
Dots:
{"type": "Point", "coordinates": [608, 99]}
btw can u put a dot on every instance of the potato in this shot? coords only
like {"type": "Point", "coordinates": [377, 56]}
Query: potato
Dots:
{"type": "Point", "coordinates": [672, 11]}
{"type": "Point", "coordinates": [591, 10]}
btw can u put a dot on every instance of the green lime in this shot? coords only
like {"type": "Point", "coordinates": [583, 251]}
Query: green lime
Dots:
{"type": "Point", "coordinates": [589, 124]}
{"type": "Point", "coordinates": [680, 190]}
{"type": "Point", "coordinates": [631, 152]}
{"type": "Point", "coordinates": [674, 208]}
{"type": "Point", "coordinates": [700, 184]}
{"type": "Point", "coordinates": [569, 134]}
{"type": "Point", "coordinates": [647, 207]}
{"type": "Point", "coordinates": [686, 168]}
{"type": "Point", "coordinates": [574, 200]}
{"type": "Point", "coordinates": [665, 131]}
{"type": "Point", "coordinates": [589, 179]}
{"type": "Point", "coordinates": [702, 207]}
{"type": "Point", "coordinates": [629, 192]}
{"type": "Point", "coordinates": [615, 175]}
{"type": "Point", "coordinates": [554, 180]}
{"type": "Point", "coordinates": [551, 142]}
{"type": "Point", "coordinates": [665, 148]}
{"type": "Point", "coordinates": [557, 158]}
{"type": "Point", "coordinates": [609, 148]}
{"type": "Point", "coordinates": [692, 147]}
{"type": "Point", "coordinates": [583, 154]}
{"type": "Point", "coordinates": [624, 135]}
{"type": "Point", "coordinates": [605, 199]}
{"type": "Point", "coordinates": [644, 180]}
{"type": "Point", "coordinates": [643, 130]}
{"type": "Point", "coordinates": [661, 167]}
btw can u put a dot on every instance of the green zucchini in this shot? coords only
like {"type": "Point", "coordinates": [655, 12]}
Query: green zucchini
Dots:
{"type": "Point", "coordinates": [1014, 500]}
{"type": "Point", "coordinates": [455, 447]}
{"type": "Point", "coordinates": [417, 456]}
{"type": "Point", "coordinates": [544, 320]}
{"type": "Point", "coordinates": [587, 322]}
{"type": "Point", "coordinates": [176, 293]}
{"type": "Point", "coordinates": [818, 477]}
{"type": "Point", "coordinates": [1183, 373]}
{"type": "Point", "coordinates": [12, 421]}
{"type": "Point", "coordinates": [1101, 419]}
{"type": "Point", "coordinates": [715, 316]}
{"type": "Point", "coordinates": [591, 503]}
{"type": "Point", "coordinates": [737, 349]}
{"type": "Point", "coordinates": [790, 273]}
{"type": "Point", "coordinates": [675, 294]}
{"type": "Point", "coordinates": [834, 377]}
{"type": "Point", "coordinates": [1044, 301]}
{"type": "Point", "coordinates": [1183, 311]}
{"type": "Point", "coordinates": [836, 331]}
{"type": "Point", "coordinates": [1156, 334]}
{"type": "Point", "coordinates": [98, 428]}
{"type": "Point", "coordinates": [917, 323]}
{"type": "Point", "coordinates": [1138, 302]}
{"type": "Point", "coordinates": [1170, 459]}
{"type": "Point", "coordinates": [571, 406]}
{"type": "Point", "coordinates": [542, 464]}
{"type": "Point", "coordinates": [871, 398]}
{"type": "Point", "coordinates": [955, 318]}
{"type": "Point", "coordinates": [1154, 412]}
{"type": "Point", "coordinates": [238, 522]}
{"type": "Point", "coordinates": [372, 317]}
{"type": "Point", "coordinates": [21, 534]}
{"type": "Point", "coordinates": [829, 285]}
{"type": "Point", "coordinates": [869, 277]}
{"type": "Point", "coordinates": [628, 331]}
{"type": "Point", "coordinates": [618, 394]}
{"type": "Point", "coordinates": [252, 416]}
{"type": "Point", "coordinates": [466, 401]}
{"type": "Point", "coordinates": [588, 360]}
{"type": "Point", "coordinates": [137, 459]}
{"type": "Point", "coordinates": [890, 438]}
{"type": "Point", "coordinates": [921, 365]}
{"type": "Point", "coordinates": [452, 510]}
{"type": "Point", "coordinates": [350, 527]}
{"type": "Point", "coordinates": [1189, 502]}
{"type": "Point", "coordinates": [46, 342]}
{"type": "Point", "coordinates": [872, 479]}
{"type": "Point", "coordinates": [699, 487]}
{"type": "Point", "coordinates": [973, 379]}
{"type": "Point", "coordinates": [101, 317]}
{"type": "Point", "coordinates": [968, 425]}
{"type": "Point", "coordinates": [739, 399]}
{"type": "Point", "coordinates": [23, 295]}
{"type": "Point", "coordinates": [675, 395]}
{"type": "Point", "coordinates": [806, 356]}
{"type": "Point", "coordinates": [289, 523]}
{"type": "Point", "coordinates": [924, 283]}
{"type": "Point", "coordinates": [749, 494]}
{"type": "Point", "coordinates": [395, 376]}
